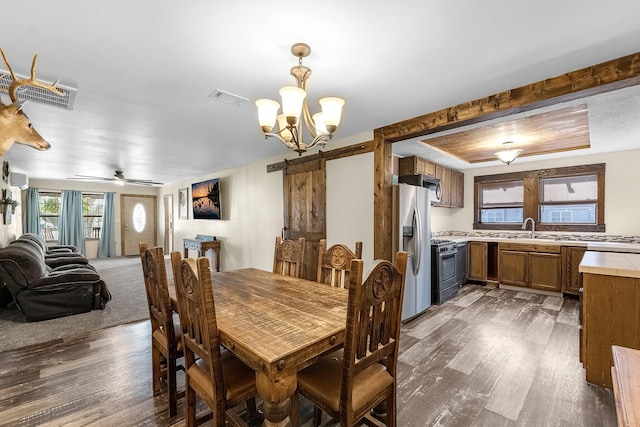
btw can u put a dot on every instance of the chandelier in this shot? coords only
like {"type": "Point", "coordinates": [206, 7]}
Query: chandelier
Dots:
{"type": "Point", "coordinates": [295, 111]}
{"type": "Point", "coordinates": [507, 155]}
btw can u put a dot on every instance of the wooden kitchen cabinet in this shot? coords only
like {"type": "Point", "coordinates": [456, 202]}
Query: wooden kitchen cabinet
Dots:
{"type": "Point", "coordinates": [444, 175]}
{"type": "Point", "coordinates": [457, 189]}
{"type": "Point", "coordinates": [532, 266]}
{"type": "Point", "coordinates": [571, 279]}
{"type": "Point", "coordinates": [451, 181]}
{"type": "Point", "coordinates": [477, 252]}
{"type": "Point", "coordinates": [414, 165]}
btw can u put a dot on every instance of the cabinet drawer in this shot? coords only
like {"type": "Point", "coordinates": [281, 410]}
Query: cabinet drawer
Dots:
{"type": "Point", "coordinates": [527, 247]}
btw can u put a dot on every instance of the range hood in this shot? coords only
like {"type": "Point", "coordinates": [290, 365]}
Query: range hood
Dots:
{"type": "Point", "coordinates": [419, 180]}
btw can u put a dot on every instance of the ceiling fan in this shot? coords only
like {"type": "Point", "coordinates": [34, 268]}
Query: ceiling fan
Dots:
{"type": "Point", "coordinates": [118, 178]}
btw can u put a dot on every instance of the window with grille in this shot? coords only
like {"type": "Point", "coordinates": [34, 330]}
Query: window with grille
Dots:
{"type": "Point", "coordinates": [559, 199]}
{"type": "Point", "coordinates": [50, 203]}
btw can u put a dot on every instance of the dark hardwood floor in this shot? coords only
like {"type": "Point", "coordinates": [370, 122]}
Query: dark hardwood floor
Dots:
{"type": "Point", "coordinates": [489, 357]}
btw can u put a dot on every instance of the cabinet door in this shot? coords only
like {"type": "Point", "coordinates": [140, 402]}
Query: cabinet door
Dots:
{"type": "Point", "coordinates": [444, 175]}
{"type": "Point", "coordinates": [513, 268]}
{"type": "Point", "coordinates": [545, 271]}
{"type": "Point", "coordinates": [477, 252]}
{"type": "Point", "coordinates": [457, 189]}
{"type": "Point", "coordinates": [573, 256]}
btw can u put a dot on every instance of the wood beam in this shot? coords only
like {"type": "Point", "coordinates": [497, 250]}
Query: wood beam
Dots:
{"type": "Point", "coordinates": [351, 150]}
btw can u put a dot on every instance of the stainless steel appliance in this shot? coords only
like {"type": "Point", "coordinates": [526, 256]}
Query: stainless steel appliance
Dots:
{"type": "Point", "coordinates": [413, 234]}
{"type": "Point", "coordinates": [444, 277]}
{"type": "Point", "coordinates": [462, 263]}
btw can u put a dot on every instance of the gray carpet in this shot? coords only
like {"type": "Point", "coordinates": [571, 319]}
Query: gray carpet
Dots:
{"type": "Point", "coordinates": [123, 276]}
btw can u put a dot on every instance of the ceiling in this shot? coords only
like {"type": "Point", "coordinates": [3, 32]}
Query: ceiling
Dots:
{"type": "Point", "coordinates": [144, 70]}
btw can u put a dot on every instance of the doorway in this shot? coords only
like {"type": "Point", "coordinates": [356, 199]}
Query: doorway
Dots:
{"type": "Point", "coordinates": [168, 223]}
{"type": "Point", "coordinates": [138, 222]}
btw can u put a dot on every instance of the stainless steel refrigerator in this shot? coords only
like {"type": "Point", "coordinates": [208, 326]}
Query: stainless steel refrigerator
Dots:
{"type": "Point", "coordinates": [413, 230]}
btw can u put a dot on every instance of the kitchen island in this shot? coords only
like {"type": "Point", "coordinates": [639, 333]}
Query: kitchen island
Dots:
{"type": "Point", "coordinates": [610, 310]}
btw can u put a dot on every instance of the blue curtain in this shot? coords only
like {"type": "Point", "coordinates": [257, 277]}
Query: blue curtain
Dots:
{"type": "Point", "coordinates": [32, 212]}
{"type": "Point", "coordinates": [107, 243]}
{"type": "Point", "coordinates": [71, 229]}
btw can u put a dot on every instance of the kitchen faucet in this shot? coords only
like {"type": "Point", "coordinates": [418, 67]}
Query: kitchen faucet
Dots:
{"type": "Point", "coordinates": [533, 226]}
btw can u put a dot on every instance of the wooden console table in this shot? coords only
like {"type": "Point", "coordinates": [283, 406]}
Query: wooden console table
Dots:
{"type": "Point", "coordinates": [625, 374]}
{"type": "Point", "coordinates": [202, 244]}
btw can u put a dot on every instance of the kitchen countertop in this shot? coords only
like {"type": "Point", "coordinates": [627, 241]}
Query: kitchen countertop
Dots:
{"type": "Point", "coordinates": [611, 264]}
{"type": "Point", "coordinates": [540, 240]}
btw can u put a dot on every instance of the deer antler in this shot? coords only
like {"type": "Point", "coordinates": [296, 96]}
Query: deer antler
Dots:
{"type": "Point", "coordinates": [14, 124]}
{"type": "Point", "coordinates": [13, 88]}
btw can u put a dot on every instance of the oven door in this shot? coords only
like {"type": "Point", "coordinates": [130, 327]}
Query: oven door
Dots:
{"type": "Point", "coordinates": [448, 276]}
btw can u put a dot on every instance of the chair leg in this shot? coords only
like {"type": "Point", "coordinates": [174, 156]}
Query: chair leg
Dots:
{"type": "Point", "coordinates": [156, 368]}
{"type": "Point", "coordinates": [317, 416]}
{"type": "Point", "coordinates": [294, 416]}
{"type": "Point", "coordinates": [191, 405]}
{"type": "Point", "coordinates": [251, 405]}
{"type": "Point", "coordinates": [171, 385]}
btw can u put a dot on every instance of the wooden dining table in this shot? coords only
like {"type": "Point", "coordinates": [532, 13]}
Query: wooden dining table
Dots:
{"type": "Point", "coordinates": [277, 325]}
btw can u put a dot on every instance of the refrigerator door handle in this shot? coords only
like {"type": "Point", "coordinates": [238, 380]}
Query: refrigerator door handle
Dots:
{"type": "Point", "coordinates": [417, 250]}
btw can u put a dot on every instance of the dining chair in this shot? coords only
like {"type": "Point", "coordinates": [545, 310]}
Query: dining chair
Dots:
{"type": "Point", "coordinates": [288, 257]}
{"type": "Point", "coordinates": [349, 383]}
{"type": "Point", "coordinates": [166, 335]}
{"type": "Point", "coordinates": [334, 264]}
{"type": "Point", "coordinates": [213, 374]}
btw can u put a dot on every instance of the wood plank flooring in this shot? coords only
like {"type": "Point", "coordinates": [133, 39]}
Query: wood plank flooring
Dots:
{"type": "Point", "coordinates": [489, 357]}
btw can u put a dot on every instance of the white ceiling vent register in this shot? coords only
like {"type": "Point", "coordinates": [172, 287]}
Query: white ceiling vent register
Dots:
{"type": "Point", "coordinates": [228, 98]}
{"type": "Point", "coordinates": [41, 96]}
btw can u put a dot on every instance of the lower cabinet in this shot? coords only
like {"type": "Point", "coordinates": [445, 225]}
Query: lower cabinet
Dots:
{"type": "Point", "coordinates": [477, 252]}
{"type": "Point", "coordinates": [532, 266]}
{"type": "Point", "coordinates": [571, 280]}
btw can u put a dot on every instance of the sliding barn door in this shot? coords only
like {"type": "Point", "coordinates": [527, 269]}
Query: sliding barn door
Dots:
{"type": "Point", "coordinates": [305, 209]}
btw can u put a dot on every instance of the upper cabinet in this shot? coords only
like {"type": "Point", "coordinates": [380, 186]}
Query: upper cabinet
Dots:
{"type": "Point", "coordinates": [451, 181]}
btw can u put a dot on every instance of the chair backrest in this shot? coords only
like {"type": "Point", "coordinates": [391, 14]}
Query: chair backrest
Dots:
{"type": "Point", "coordinates": [373, 320]}
{"type": "Point", "coordinates": [334, 264]}
{"type": "Point", "coordinates": [194, 291]}
{"type": "Point", "coordinates": [288, 257]}
{"type": "Point", "coordinates": [157, 288]}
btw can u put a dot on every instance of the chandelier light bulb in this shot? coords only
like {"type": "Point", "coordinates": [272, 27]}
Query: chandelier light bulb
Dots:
{"type": "Point", "coordinates": [292, 99]}
{"type": "Point", "coordinates": [267, 112]}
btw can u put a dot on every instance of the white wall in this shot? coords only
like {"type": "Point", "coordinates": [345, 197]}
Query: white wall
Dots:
{"type": "Point", "coordinates": [350, 183]}
{"type": "Point", "coordinates": [622, 197]}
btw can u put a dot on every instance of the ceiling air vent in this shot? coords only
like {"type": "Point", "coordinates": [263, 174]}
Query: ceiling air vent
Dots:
{"type": "Point", "coordinates": [41, 96]}
{"type": "Point", "coordinates": [228, 98]}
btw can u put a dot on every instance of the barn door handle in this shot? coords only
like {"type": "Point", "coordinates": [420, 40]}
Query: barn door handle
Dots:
{"type": "Point", "coordinates": [282, 232]}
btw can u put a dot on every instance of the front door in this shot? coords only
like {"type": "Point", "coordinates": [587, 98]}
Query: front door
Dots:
{"type": "Point", "coordinates": [305, 193]}
{"type": "Point", "coordinates": [138, 222]}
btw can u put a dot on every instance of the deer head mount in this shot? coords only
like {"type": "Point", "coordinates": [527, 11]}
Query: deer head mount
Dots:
{"type": "Point", "coordinates": [14, 124]}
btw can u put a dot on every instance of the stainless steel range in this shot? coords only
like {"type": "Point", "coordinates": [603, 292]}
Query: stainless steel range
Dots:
{"type": "Point", "coordinates": [444, 281]}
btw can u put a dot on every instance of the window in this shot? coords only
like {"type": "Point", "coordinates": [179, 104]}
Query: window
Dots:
{"type": "Point", "coordinates": [50, 203]}
{"type": "Point", "coordinates": [560, 199]}
{"type": "Point", "coordinates": [502, 202]}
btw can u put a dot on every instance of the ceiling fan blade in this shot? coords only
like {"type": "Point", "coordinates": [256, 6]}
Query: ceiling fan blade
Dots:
{"type": "Point", "coordinates": [90, 178]}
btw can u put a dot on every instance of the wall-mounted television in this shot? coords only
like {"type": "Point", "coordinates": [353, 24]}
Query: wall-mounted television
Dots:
{"type": "Point", "coordinates": [205, 199]}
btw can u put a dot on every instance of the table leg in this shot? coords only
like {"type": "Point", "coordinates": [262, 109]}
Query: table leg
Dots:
{"type": "Point", "coordinates": [276, 396]}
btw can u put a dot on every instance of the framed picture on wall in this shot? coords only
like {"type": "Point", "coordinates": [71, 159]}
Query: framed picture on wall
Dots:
{"type": "Point", "coordinates": [205, 199]}
{"type": "Point", "coordinates": [183, 203]}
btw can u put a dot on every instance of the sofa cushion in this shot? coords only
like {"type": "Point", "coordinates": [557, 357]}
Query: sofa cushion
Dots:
{"type": "Point", "coordinates": [23, 262]}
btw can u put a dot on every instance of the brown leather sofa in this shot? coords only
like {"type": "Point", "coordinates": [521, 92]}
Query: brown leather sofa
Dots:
{"type": "Point", "coordinates": [43, 292]}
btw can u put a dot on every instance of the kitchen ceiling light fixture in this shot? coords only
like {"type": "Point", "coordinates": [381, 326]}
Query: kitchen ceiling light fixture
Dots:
{"type": "Point", "coordinates": [295, 111]}
{"type": "Point", "coordinates": [508, 155]}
